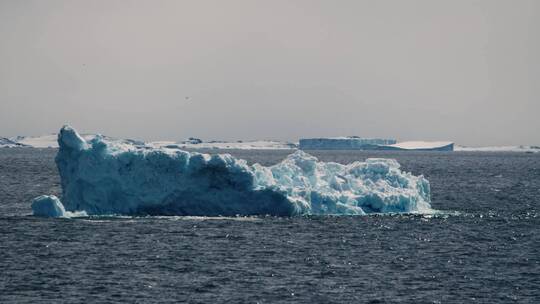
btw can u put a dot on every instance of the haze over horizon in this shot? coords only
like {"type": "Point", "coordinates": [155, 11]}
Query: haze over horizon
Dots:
{"type": "Point", "coordinates": [465, 71]}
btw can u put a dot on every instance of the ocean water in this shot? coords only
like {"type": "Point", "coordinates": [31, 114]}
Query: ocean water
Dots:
{"type": "Point", "coordinates": [483, 247]}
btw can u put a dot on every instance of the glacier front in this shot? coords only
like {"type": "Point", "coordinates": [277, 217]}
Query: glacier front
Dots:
{"type": "Point", "coordinates": [103, 176]}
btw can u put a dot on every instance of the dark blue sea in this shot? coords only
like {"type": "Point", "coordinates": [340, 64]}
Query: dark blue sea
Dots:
{"type": "Point", "coordinates": [482, 247]}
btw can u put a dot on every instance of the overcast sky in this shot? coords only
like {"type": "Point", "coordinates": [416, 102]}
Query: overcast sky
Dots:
{"type": "Point", "coordinates": [461, 70]}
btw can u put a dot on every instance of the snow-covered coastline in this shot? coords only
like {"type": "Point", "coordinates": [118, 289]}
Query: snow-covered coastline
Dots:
{"type": "Point", "coordinates": [51, 141]}
{"type": "Point", "coordinates": [521, 148]}
{"type": "Point", "coordinates": [44, 141]}
{"type": "Point", "coordinates": [242, 145]}
{"type": "Point", "coordinates": [9, 143]}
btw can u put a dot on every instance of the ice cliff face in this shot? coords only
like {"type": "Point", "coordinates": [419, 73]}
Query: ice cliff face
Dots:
{"type": "Point", "coordinates": [107, 177]}
{"type": "Point", "coordinates": [343, 143]}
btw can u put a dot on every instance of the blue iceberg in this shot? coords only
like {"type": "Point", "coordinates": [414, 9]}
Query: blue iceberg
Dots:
{"type": "Point", "coordinates": [102, 176]}
{"type": "Point", "coordinates": [48, 206]}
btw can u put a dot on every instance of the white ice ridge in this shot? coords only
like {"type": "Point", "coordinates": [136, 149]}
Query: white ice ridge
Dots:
{"type": "Point", "coordinates": [107, 177]}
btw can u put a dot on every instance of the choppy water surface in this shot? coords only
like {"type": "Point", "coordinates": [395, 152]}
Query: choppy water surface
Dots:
{"type": "Point", "coordinates": [484, 247]}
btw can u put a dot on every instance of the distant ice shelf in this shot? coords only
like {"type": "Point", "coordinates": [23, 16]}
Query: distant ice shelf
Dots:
{"type": "Point", "coordinates": [358, 143]}
{"type": "Point", "coordinates": [106, 177]}
{"type": "Point", "coordinates": [343, 143]}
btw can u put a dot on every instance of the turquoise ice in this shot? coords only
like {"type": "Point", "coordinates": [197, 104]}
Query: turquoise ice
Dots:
{"type": "Point", "coordinates": [103, 176]}
{"type": "Point", "coordinates": [48, 206]}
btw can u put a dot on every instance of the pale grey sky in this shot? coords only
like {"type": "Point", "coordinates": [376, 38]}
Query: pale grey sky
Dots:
{"type": "Point", "coordinates": [460, 70]}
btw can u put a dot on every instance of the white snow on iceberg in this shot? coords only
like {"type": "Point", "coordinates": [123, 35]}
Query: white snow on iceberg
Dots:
{"type": "Point", "coordinates": [107, 177]}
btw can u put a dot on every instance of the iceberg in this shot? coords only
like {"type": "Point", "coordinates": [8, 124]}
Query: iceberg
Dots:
{"type": "Point", "coordinates": [343, 143]}
{"type": "Point", "coordinates": [105, 177]}
{"type": "Point", "coordinates": [357, 143]}
{"type": "Point", "coordinates": [421, 146]}
{"type": "Point", "coordinates": [48, 206]}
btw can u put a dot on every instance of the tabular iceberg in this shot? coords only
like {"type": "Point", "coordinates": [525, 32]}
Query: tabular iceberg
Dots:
{"type": "Point", "coordinates": [343, 143]}
{"type": "Point", "coordinates": [357, 143]}
{"type": "Point", "coordinates": [101, 176]}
